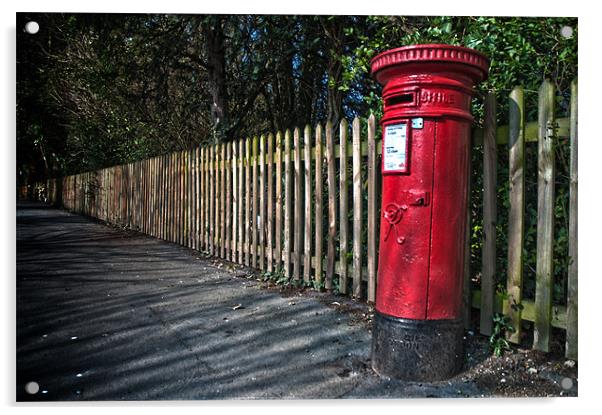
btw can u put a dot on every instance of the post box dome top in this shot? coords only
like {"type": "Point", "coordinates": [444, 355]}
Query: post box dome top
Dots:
{"type": "Point", "coordinates": [431, 54]}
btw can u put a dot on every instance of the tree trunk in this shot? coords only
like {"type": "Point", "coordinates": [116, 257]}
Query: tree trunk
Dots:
{"type": "Point", "coordinates": [216, 71]}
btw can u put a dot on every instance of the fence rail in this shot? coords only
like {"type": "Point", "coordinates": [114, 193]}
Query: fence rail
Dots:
{"type": "Point", "coordinates": [305, 204]}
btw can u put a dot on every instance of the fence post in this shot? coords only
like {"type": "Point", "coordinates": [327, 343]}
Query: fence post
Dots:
{"type": "Point", "coordinates": [516, 219]}
{"type": "Point", "coordinates": [489, 214]}
{"type": "Point", "coordinates": [572, 304]}
{"type": "Point", "coordinates": [545, 218]}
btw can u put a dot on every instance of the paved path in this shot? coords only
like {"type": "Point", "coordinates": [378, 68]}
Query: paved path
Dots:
{"type": "Point", "coordinates": [109, 315]}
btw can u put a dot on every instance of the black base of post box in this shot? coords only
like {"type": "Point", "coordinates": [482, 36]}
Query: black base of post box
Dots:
{"type": "Point", "coordinates": [418, 350]}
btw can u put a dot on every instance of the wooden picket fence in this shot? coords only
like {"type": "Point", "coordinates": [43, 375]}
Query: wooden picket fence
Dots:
{"type": "Point", "coordinates": [293, 204]}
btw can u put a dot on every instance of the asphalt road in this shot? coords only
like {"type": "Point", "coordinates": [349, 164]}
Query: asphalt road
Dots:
{"type": "Point", "coordinates": [104, 314]}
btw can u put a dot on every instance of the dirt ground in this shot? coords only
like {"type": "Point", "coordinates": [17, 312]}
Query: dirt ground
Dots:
{"type": "Point", "coordinates": [520, 372]}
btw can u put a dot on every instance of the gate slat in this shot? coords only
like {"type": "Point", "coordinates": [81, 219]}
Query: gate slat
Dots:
{"type": "Point", "coordinates": [545, 219]}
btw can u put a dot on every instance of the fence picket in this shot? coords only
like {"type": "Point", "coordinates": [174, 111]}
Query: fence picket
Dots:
{"type": "Point", "coordinates": [319, 237]}
{"type": "Point", "coordinates": [332, 207]}
{"type": "Point", "coordinates": [262, 219]}
{"type": "Point", "coordinates": [516, 216]}
{"type": "Point", "coordinates": [199, 200]}
{"type": "Point", "coordinates": [307, 268]}
{"type": "Point", "coordinates": [372, 209]}
{"type": "Point", "coordinates": [255, 212]}
{"type": "Point", "coordinates": [572, 303]}
{"type": "Point", "coordinates": [228, 230]}
{"type": "Point", "coordinates": [343, 206]}
{"type": "Point", "coordinates": [211, 168]}
{"type": "Point", "coordinates": [467, 282]}
{"type": "Point", "coordinates": [298, 207]}
{"type": "Point", "coordinates": [288, 204]}
{"type": "Point", "coordinates": [489, 215]}
{"type": "Point", "coordinates": [222, 209]}
{"type": "Point", "coordinates": [235, 204]}
{"type": "Point", "coordinates": [248, 219]}
{"type": "Point", "coordinates": [357, 210]}
{"type": "Point", "coordinates": [241, 216]}
{"type": "Point", "coordinates": [278, 213]}
{"type": "Point", "coordinates": [545, 218]}
{"type": "Point", "coordinates": [270, 203]}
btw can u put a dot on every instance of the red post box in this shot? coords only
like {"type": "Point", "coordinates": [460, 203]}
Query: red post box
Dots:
{"type": "Point", "coordinates": [418, 330]}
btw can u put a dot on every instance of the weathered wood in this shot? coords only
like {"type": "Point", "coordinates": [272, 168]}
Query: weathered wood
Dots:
{"type": "Point", "coordinates": [262, 219]}
{"type": "Point", "coordinates": [278, 213]}
{"type": "Point", "coordinates": [489, 214]}
{"type": "Point", "coordinates": [288, 204]}
{"type": "Point", "coordinates": [206, 198]}
{"type": "Point", "coordinates": [191, 198]}
{"type": "Point", "coordinates": [270, 204]}
{"type": "Point", "coordinates": [197, 206]}
{"type": "Point", "coordinates": [222, 209]}
{"type": "Point", "coordinates": [332, 207]}
{"type": "Point", "coordinates": [372, 210]}
{"type": "Point", "coordinates": [228, 171]}
{"type": "Point", "coordinates": [177, 199]}
{"type": "Point", "coordinates": [298, 206]}
{"type": "Point", "coordinates": [255, 211]}
{"type": "Point", "coordinates": [343, 207]}
{"type": "Point", "coordinates": [248, 217]}
{"type": "Point", "coordinates": [308, 205]}
{"type": "Point", "coordinates": [185, 198]}
{"type": "Point", "coordinates": [531, 131]}
{"type": "Point", "coordinates": [181, 197]}
{"type": "Point", "coordinates": [500, 302]}
{"type": "Point", "coordinates": [516, 214]}
{"type": "Point", "coordinates": [241, 215]}
{"type": "Point", "coordinates": [319, 236]}
{"type": "Point", "coordinates": [212, 180]}
{"type": "Point", "coordinates": [357, 210]}
{"type": "Point", "coordinates": [235, 205]}
{"type": "Point", "coordinates": [572, 303]}
{"type": "Point", "coordinates": [218, 193]}
{"type": "Point", "coordinates": [201, 199]}
{"type": "Point", "coordinates": [467, 283]}
{"type": "Point", "coordinates": [545, 218]}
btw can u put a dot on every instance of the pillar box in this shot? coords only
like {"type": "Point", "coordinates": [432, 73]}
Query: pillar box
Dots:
{"type": "Point", "coordinates": [418, 329]}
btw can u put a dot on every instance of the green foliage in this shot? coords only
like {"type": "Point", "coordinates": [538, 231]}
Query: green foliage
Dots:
{"type": "Point", "coordinates": [497, 341]}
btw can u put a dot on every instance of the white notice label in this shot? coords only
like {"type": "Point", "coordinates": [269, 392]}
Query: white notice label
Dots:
{"type": "Point", "coordinates": [396, 140]}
